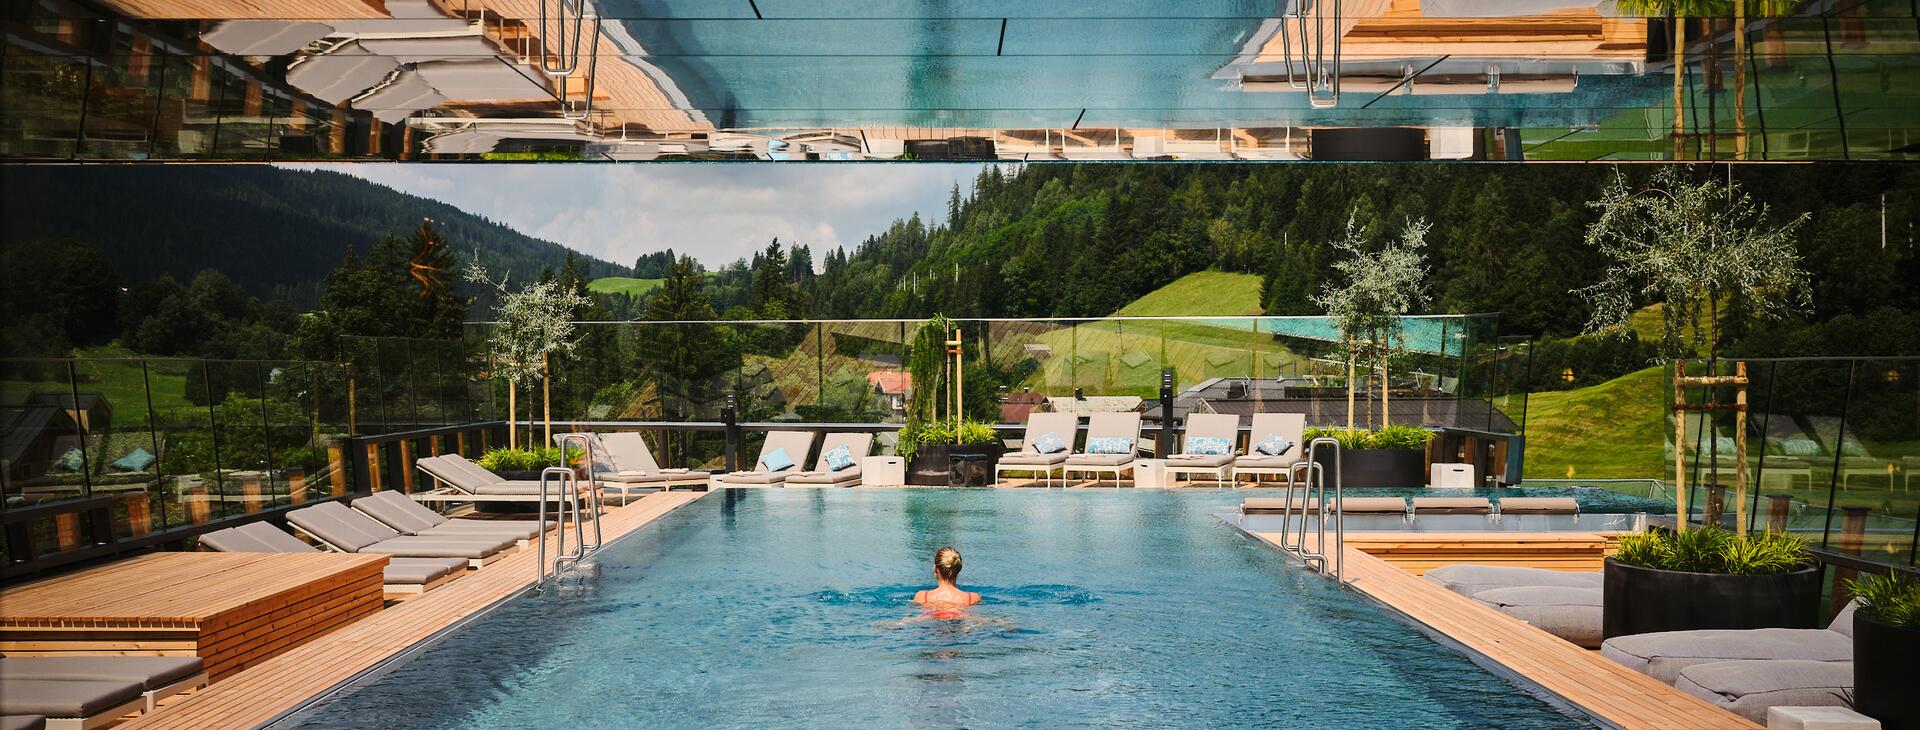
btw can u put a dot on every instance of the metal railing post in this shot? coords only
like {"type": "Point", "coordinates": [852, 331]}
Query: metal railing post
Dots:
{"type": "Point", "coordinates": [730, 415]}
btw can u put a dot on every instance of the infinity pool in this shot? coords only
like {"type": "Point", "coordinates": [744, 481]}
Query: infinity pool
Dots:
{"type": "Point", "coordinates": [791, 607]}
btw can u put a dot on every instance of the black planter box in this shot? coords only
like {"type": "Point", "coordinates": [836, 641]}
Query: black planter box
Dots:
{"type": "Point", "coordinates": [1883, 674]}
{"type": "Point", "coordinates": [932, 465]}
{"type": "Point", "coordinates": [1644, 600]}
{"type": "Point", "coordinates": [1376, 467]}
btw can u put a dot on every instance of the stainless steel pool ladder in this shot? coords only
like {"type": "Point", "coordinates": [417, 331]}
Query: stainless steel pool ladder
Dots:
{"type": "Point", "coordinates": [1310, 475]}
{"type": "Point", "coordinates": [571, 503]}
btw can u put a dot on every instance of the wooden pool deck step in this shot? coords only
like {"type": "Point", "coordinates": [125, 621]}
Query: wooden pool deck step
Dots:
{"type": "Point", "coordinates": [1419, 552]}
{"type": "Point", "coordinates": [264, 691]}
{"type": "Point", "coordinates": [1597, 685]}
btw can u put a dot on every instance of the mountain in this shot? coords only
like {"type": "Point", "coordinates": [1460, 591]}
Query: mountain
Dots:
{"type": "Point", "coordinates": [275, 231]}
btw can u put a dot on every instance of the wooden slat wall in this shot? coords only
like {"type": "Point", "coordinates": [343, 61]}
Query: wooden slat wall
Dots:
{"type": "Point", "coordinates": [281, 683]}
{"type": "Point", "coordinates": [249, 9]}
{"type": "Point", "coordinates": [1418, 552]}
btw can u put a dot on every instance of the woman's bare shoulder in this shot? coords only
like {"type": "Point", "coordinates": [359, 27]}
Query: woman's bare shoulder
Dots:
{"type": "Point", "coordinates": [920, 596]}
{"type": "Point", "coordinates": [973, 598]}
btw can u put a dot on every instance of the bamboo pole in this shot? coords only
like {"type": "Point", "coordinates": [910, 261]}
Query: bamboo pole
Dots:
{"type": "Point", "coordinates": [1740, 449]}
{"type": "Point", "coordinates": [1679, 446]}
{"type": "Point", "coordinates": [1740, 81]}
{"type": "Point", "coordinates": [1679, 84]}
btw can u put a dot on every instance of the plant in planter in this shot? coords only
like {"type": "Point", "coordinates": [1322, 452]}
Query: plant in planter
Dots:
{"type": "Point", "coordinates": [930, 445]}
{"type": "Point", "coordinates": [937, 427]}
{"type": "Point", "coordinates": [1709, 578]}
{"type": "Point", "coordinates": [1390, 456]}
{"type": "Point", "coordinates": [1886, 637]}
{"type": "Point", "coordinates": [1383, 285]}
{"type": "Point", "coordinates": [516, 463]}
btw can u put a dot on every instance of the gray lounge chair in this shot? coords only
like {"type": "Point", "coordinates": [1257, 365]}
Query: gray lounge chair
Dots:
{"type": "Point", "coordinates": [349, 531]}
{"type": "Point", "coordinates": [458, 480]}
{"type": "Point", "coordinates": [1664, 654]}
{"type": "Point", "coordinates": [1289, 426]}
{"type": "Point", "coordinates": [796, 444]}
{"type": "Point", "coordinates": [1468, 579]}
{"type": "Point", "coordinates": [1747, 688]}
{"type": "Point", "coordinates": [1029, 460]}
{"type": "Point", "coordinates": [160, 677]}
{"type": "Point", "coordinates": [395, 510]}
{"type": "Point", "coordinates": [69, 704]}
{"type": "Point", "coordinates": [1104, 426]}
{"type": "Point", "coordinates": [1207, 425]}
{"type": "Point", "coordinates": [1570, 613]}
{"type": "Point", "coordinates": [629, 467]}
{"type": "Point", "coordinates": [823, 475]}
{"type": "Point", "coordinates": [402, 575]}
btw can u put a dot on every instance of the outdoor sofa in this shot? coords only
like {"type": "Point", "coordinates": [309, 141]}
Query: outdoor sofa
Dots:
{"type": "Point", "coordinates": [1663, 655]}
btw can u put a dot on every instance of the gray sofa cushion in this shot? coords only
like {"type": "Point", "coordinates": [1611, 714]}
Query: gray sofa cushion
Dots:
{"type": "Point", "coordinates": [1843, 621]}
{"type": "Point", "coordinates": [1748, 688]}
{"type": "Point", "coordinates": [23, 722]}
{"type": "Point", "coordinates": [151, 672]}
{"type": "Point", "coordinates": [1662, 655]}
{"type": "Point", "coordinates": [1452, 505]}
{"type": "Point", "coordinates": [419, 571]}
{"type": "Point", "coordinates": [1028, 458]}
{"type": "Point", "coordinates": [1198, 461]}
{"type": "Point", "coordinates": [752, 478]}
{"type": "Point", "coordinates": [1253, 461]}
{"type": "Point", "coordinates": [1540, 505]}
{"type": "Point", "coordinates": [1100, 460]}
{"type": "Point", "coordinates": [844, 478]}
{"type": "Point", "coordinates": [1468, 579]}
{"type": "Point", "coordinates": [1569, 613]}
{"type": "Point", "coordinates": [62, 698]}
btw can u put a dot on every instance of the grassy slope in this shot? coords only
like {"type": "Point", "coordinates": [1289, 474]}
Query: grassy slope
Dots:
{"type": "Point", "coordinates": [1216, 293]}
{"type": "Point", "coordinates": [1612, 430]}
{"type": "Point", "coordinates": [623, 285]}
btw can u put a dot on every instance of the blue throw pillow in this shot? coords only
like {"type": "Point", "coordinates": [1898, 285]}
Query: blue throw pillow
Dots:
{"type": "Point", "coordinates": [1273, 445]}
{"type": "Point", "coordinates": [1110, 445]}
{"type": "Point", "coordinates": [839, 458]}
{"type": "Point", "coordinates": [776, 461]}
{"type": "Point", "coordinates": [1048, 443]}
{"type": "Point", "coordinates": [1208, 445]}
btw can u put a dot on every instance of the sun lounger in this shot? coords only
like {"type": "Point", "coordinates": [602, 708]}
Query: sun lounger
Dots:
{"type": "Point", "coordinates": [1747, 688]}
{"type": "Point", "coordinates": [1664, 654]}
{"type": "Point", "coordinates": [1468, 579]}
{"type": "Point", "coordinates": [159, 677]}
{"type": "Point", "coordinates": [458, 480]}
{"type": "Point", "coordinates": [823, 473]}
{"type": "Point", "coordinates": [1204, 430]}
{"type": "Point", "coordinates": [795, 445]}
{"type": "Point", "coordinates": [631, 469]}
{"type": "Point", "coordinates": [1028, 460]}
{"type": "Point", "coordinates": [1104, 429]}
{"type": "Point", "coordinates": [70, 704]}
{"type": "Point", "coordinates": [1349, 505]}
{"type": "Point", "coordinates": [1451, 506]}
{"type": "Point", "coordinates": [402, 575]}
{"type": "Point", "coordinates": [23, 722]}
{"type": "Point", "coordinates": [1539, 506]}
{"type": "Point", "coordinates": [1289, 426]}
{"type": "Point", "coordinates": [349, 531]}
{"type": "Point", "coordinates": [1569, 613]}
{"type": "Point", "coordinates": [397, 511]}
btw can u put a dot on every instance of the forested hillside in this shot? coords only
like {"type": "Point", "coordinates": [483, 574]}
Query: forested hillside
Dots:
{"type": "Point", "coordinates": [1085, 240]}
{"type": "Point", "coordinates": [275, 232]}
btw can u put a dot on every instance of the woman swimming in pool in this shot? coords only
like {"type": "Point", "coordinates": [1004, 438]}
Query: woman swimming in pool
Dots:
{"type": "Point", "coordinates": [945, 599]}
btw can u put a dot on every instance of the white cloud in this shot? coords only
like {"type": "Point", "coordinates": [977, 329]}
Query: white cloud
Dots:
{"type": "Point", "coordinates": [715, 212]}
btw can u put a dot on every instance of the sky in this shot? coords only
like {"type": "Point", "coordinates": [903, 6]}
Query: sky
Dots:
{"type": "Point", "coordinates": [714, 212]}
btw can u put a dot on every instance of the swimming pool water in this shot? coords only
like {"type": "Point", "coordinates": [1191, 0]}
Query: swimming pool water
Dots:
{"type": "Point", "coordinates": [757, 607]}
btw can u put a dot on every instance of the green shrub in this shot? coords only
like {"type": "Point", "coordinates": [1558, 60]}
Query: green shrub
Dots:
{"type": "Point", "coordinates": [1893, 598]}
{"type": "Point", "coordinates": [525, 459]}
{"type": "Point", "coordinates": [942, 433]}
{"type": "Point", "coordinates": [1398, 436]}
{"type": "Point", "coordinates": [1713, 550]}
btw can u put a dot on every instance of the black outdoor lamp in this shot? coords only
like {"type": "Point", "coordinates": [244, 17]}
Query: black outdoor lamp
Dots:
{"type": "Point", "coordinates": [1893, 375]}
{"type": "Point", "coordinates": [1566, 375]}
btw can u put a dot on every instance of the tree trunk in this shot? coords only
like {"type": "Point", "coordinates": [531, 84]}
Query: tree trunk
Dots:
{"type": "Point", "coordinates": [1350, 374]}
{"type": "Point", "coordinates": [1740, 80]}
{"type": "Point", "coordinates": [1679, 84]}
{"type": "Point", "coordinates": [1384, 387]}
{"type": "Point", "coordinates": [546, 402]}
{"type": "Point", "coordinates": [513, 414]}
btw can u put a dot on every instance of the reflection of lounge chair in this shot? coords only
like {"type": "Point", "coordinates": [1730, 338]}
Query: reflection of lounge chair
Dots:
{"type": "Point", "coordinates": [1289, 426]}
{"type": "Point", "coordinates": [857, 445]}
{"type": "Point", "coordinates": [1113, 439]}
{"type": "Point", "coordinates": [159, 677]}
{"type": "Point", "coordinates": [794, 445]}
{"type": "Point", "coordinates": [630, 464]}
{"type": "Point", "coordinates": [402, 575]}
{"type": "Point", "coordinates": [1029, 460]}
{"type": "Point", "coordinates": [349, 531]}
{"type": "Point", "coordinates": [395, 510]}
{"type": "Point", "coordinates": [1204, 429]}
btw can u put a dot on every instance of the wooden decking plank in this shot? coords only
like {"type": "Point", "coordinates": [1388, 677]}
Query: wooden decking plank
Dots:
{"type": "Point", "coordinates": [268, 688]}
{"type": "Point", "coordinates": [1595, 684]}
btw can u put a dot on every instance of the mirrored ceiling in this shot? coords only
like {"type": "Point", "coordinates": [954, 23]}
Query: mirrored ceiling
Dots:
{"type": "Point", "coordinates": [464, 80]}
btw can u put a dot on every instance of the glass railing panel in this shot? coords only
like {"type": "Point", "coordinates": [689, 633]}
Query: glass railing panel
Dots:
{"type": "Point", "coordinates": [1879, 453]}
{"type": "Point", "coordinates": [190, 479]}
{"type": "Point", "coordinates": [863, 372]}
{"type": "Point", "coordinates": [48, 462]}
{"type": "Point", "coordinates": [119, 444]}
{"type": "Point", "coordinates": [44, 93]}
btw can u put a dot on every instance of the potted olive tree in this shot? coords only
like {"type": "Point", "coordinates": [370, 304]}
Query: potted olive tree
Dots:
{"type": "Point", "coordinates": [1709, 578]}
{"type": "Point", "coordinates": [1886, 638]}
{"type": "Point", "coordinates": [1390, 456]}
{"type": "Point", "coordinates": [1383, 285]}
{"type": "Point", "coordinates": [534, 323]}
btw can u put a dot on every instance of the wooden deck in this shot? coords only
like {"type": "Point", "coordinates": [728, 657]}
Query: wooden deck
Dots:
{"type": "Point", "coordinates": [1598, 686]}
{"type": "Point", "coordinates": [277, 685]}
{"type": "Point", "coordinates": [232, 610]}
{"type": "Point", "coordinates": [1418, 552]}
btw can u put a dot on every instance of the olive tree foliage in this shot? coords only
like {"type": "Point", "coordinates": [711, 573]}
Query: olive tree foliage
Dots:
{"type": "Point", "coordinates": [1383, 284]}
{"type": "Point", "coordinates": [532, 323]}
{"type": "Point", "coordinates": [1692, 247]}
